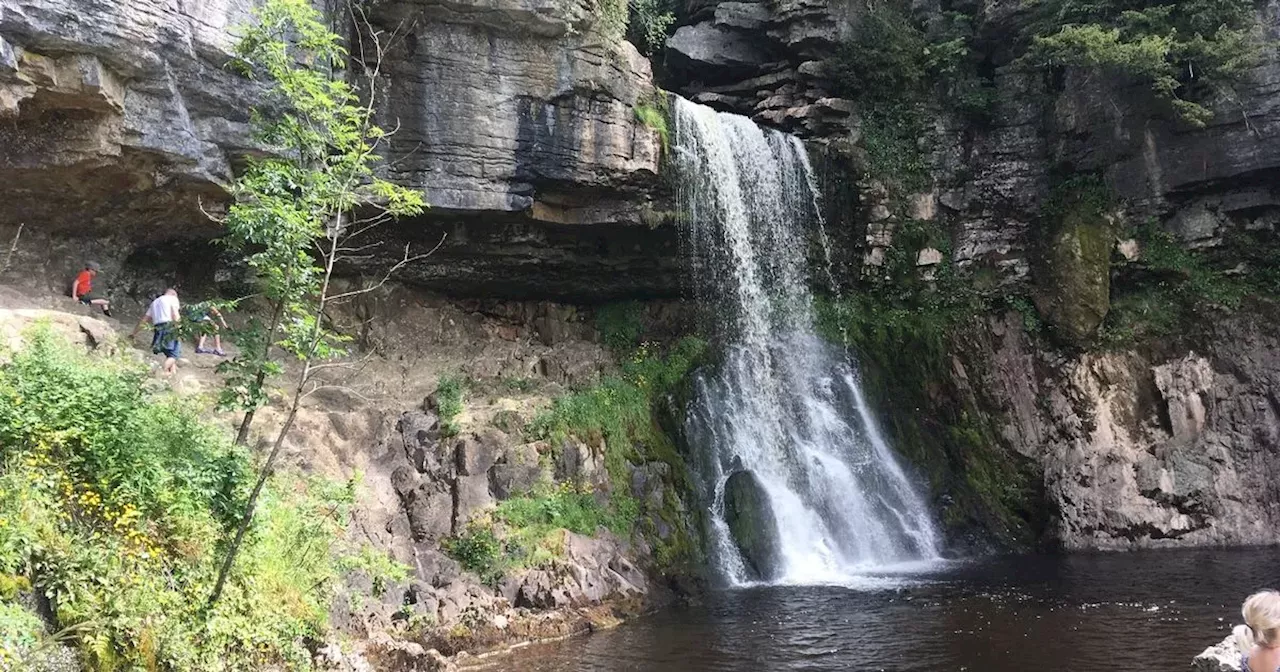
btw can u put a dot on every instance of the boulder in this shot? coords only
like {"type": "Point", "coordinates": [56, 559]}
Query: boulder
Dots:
{"type": "Point", "coordinates": [427, 503]}
{"type": "Point", "coordinates": [1221, 657]}
{"type": "Point", "coordinates": [718, 53]}
{"type": "Point", "coordinates": [517, 471]}
{"type": "Point", "coordinates": [79, 329]}
{"type": "Point", "coordinates": [751, 521]}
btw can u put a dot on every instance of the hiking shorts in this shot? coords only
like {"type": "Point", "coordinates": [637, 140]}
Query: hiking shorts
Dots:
{"type": "Point", "coordinates": [165, 340]}
{"type": "Point", "coordinates": [91, 297]}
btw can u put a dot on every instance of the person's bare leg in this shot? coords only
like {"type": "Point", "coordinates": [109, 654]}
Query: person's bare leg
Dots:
{"type": "Point", "coordinates": [200, 343]}
{"type": "Point", "coordinates": [170, 365]}
{"type": "Point", "coordinates": [217, 341]}
{"type": "Point", "coordinates": [102, 303]}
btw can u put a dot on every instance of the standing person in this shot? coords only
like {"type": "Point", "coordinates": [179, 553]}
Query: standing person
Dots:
{"type": "Point", "coordinates": [202, 316]}
{"type": "Point", "coordinates": [164, 315]}
{"type": "Point", "coordinates": [82, 288]}
{"type": "Point", "coordinates": [1260, 635]}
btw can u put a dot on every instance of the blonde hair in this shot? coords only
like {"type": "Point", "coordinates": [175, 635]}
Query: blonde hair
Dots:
{"type": "Point", "coordinates": [1261, 613]}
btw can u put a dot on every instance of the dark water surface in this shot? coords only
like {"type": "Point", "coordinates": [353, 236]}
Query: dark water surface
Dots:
{"type": "Point", "coordinates": [1131, 612]}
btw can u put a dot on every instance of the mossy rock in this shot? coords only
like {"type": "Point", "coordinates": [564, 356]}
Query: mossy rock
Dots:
{"type": "Point", "coordinates": [751, 522]}
{"type": "Point", "coordinates": [1073, 273]}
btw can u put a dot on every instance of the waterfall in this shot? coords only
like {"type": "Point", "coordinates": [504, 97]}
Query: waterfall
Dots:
{"type": "Point", "coordinates": [783, 405]}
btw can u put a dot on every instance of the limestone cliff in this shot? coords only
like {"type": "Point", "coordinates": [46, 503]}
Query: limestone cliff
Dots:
{"type": "Point", "coordinates": [518, 121]}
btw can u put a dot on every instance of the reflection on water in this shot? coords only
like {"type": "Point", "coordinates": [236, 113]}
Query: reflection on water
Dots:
{"type": "Point", "coordinates": [1135, 611]}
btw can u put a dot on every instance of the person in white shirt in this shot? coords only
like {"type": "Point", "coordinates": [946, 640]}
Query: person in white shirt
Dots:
{"type": "Point", "coordinates": [164, 315]}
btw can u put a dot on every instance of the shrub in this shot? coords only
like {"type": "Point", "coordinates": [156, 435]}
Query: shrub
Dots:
{"type": "Point", "coordinates": [1176, 48]}
{"type": "Point", "coordinates": [21, 632]}
{"type": "Point", "coordinates": [620, 324]}
{"type": "Point", "coordinates": [449, 403]}
{"type": "Point", "coordinates": [478, 550]}
{"type": "Point", "coordinates": [886, 56]}
{"type": "Point", "coordinates": [112, 501]}
{"type": "Point", "coordinates": [650, 24]}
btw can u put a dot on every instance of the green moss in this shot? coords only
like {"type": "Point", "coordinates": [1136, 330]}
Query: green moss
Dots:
{"type": "Point", "coordinates": [1171, 290]}
{"type": "Point", "coordinates": [1073, 267]}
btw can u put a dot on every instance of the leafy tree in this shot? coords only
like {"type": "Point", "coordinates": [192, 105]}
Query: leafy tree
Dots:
{"type": "Point", "coordinates": [297, 210]}
{"type": "Point", "coordinates": [1180, 49]}
{"type": "Point", "coordinates": [650, 24]}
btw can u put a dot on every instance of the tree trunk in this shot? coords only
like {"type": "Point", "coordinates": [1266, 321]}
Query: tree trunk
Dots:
{"type": "Point", "coordinates": [313, 344]}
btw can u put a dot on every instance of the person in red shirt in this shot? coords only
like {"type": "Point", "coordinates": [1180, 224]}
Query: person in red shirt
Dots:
{"type": "Point", "coordinates": [82, 289]}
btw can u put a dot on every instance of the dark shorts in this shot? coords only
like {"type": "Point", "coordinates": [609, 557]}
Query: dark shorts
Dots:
{"type": "Point", "coordinates": [165, 340]}
{"type": "Point", "coordinates": [91, 296]}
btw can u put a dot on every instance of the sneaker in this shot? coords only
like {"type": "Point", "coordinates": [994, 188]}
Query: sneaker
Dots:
{"type": "Point", "coordinates": [106, 311]}
{"type": "Point", "coordinates": [203, 351]}
{"type": "Point", "coordinates": [218, 352]}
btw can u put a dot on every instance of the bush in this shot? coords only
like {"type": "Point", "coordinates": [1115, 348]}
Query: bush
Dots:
{"type": "Point", "coordinates": [650, 24]}
{"type": "Point", "coordinates": [113, 502]}
{"type": "Point", "coordinates": [886, 56]}
{"type": "Point", "coordinates": [1180, 50]}
{"type": "Point", "coordinates": [21, 632]}
{"type": "Point", "coordinates": [478, 550]}
{"type": "Point", "coordinates": [621, 324]}
{"type": "Point", "coordinates": [449, 403]}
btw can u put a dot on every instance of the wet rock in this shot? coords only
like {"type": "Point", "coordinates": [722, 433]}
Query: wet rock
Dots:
{"type": "Point", "coordinates": [648, 483]}
{"type": "Point", "coordinates": [751, 522]}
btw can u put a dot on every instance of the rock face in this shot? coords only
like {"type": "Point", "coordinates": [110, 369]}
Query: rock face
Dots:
{"type": "Point", "coordinates": [525, 114]}
{"type": "Point", "coordinates": [751, 522]}
{"type": "Point", "coordinates": [516, 120]}
{"type": "Point", "coordinates": [1145, 451]}
{"type": "Point", "coordinates": [1073, 276]}
{"type": "Point", "coordinates": [419, 486]}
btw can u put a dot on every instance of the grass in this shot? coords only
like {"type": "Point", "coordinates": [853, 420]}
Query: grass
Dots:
{"type": "Point", "coordinates": [654, 116]}
{"type": "Point", "coordinates": [526, 531]}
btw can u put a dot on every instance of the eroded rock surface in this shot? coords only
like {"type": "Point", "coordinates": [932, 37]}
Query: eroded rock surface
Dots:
{"type": "Point", "coordinates": [1146, 450]}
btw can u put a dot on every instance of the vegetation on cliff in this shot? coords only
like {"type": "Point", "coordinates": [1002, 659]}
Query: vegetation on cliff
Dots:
{"type": "Point", "coordinates": [620, 418]}
{"type": "Point", "coordinates": [112, 504]}
{"type": "Point", "coordinates": [1182, 50]}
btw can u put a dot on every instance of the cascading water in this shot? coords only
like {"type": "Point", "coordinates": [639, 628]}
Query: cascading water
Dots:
{"type": "Point", "coordinates": [784, 405]}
